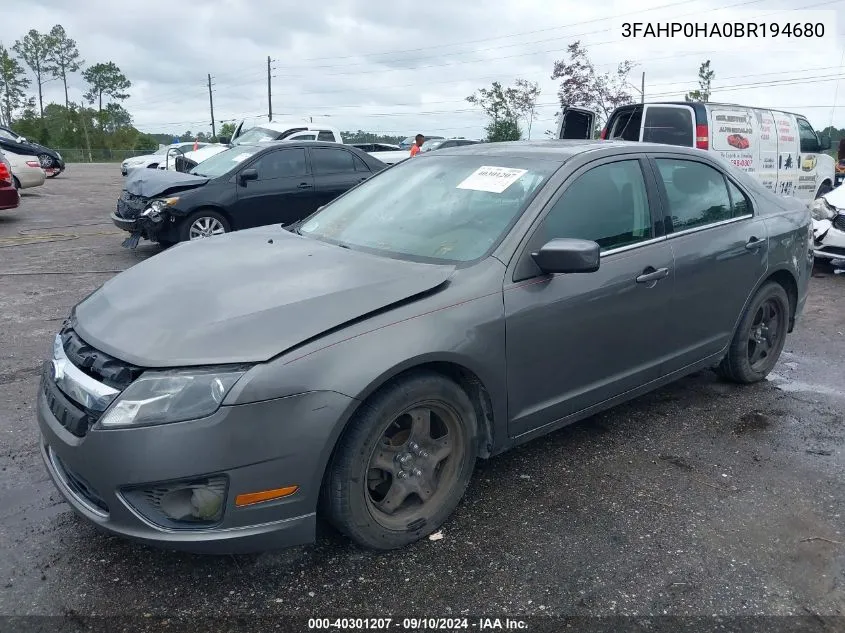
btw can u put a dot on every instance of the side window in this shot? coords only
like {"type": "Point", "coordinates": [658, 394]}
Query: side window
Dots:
{"type": "Point", "coordinates": [740, 204]}
{"type": "Point", "coordinates": [607, 204]}
{"type": "Point", "coordinates": [325, 135]}
{"type": "Point", "coordinates": [360, 165]}
{"type": "Point", "coordinates": [670, 126]}
{"type": "Point", "coordinates": [626, 127]}
{"type": "Point", "coordinates": [282, 163]}
{"type": "Point", "coordinates": [809, 140]}
{"type": "Point", "coordinates": [697, 193]}
{"type": "Point", "coordinates": [328, 160]}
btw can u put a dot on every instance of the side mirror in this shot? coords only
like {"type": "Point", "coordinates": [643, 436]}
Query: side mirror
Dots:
{"type": "Point", "coordinates": [566, 255]}
{"type": "Point", "coordinates": [225, 140]}
{"type": "Point", "coordinates": [824, 142]}
{"type": "Point", "coordinates": [248, 174]}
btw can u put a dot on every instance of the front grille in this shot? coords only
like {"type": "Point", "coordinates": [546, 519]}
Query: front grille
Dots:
{"type": "Point", "coordinates": [107, 369]}
{"type": "Point", "coordinates": [839, 222]}
{"type": "Point", "coordinates": [70, 415]}
{"type": "Point", "coordinates": [78, 485]}
{"type": "Point", "coordinates": [130, 205]}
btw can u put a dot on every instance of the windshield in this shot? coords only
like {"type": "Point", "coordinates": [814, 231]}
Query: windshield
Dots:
{"type": "Point", "coordinates": [8, 135]}
{"type": "Point", "coordinates": [256, 135]}
{"type": "Point", "coordinates": [430, 145]}
{"type": "Point", "coordinates": [442, 208]}
{"type": "Point", "coordinates": [224, 162]}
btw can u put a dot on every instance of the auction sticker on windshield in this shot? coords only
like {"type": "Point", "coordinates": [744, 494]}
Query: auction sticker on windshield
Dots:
{"type": "Point", "coordinates": [492, 179]}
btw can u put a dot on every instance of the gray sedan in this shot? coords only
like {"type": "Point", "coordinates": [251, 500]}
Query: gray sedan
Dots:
{"type": "Point", "coordinates": [220, 395]}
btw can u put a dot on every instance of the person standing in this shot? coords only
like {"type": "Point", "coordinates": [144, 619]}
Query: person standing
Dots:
{"type": "Point", "coordinates": [419, 139]}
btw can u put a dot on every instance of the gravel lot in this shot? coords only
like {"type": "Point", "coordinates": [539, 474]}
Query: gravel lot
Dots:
{"type": "Point", "coordinates": [701, 498]}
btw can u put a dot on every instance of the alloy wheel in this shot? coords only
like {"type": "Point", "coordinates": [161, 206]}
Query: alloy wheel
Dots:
{"type": "Point", "coordinates": [205, 227]}
{"type": "Point", "coordinates": [764, 333]}
{"type": "Point", "coordinates": [414, 465]}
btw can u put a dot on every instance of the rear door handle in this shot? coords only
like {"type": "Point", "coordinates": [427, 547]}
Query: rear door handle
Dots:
{"type": "Point", "coordinates": [753, 243]}
{"type": "Point", "coordinates": [304, 185]}
{"type": "Point", "coordinates": [650, 274]}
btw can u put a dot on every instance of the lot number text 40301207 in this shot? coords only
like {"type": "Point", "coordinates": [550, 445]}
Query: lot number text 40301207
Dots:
{"type": "Point", "coordinates": [418, 624]}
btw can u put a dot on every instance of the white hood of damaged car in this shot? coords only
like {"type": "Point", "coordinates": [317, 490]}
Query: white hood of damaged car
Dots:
{"type": "Point", "coordinates": [205, 152]}
{"type": "Point", "coordinates": [836, 198]}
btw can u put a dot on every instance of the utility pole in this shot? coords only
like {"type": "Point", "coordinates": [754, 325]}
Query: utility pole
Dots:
{"type": "Point", "coordinates": [642, 89]}
{"type": "Point", "coordinates": [211, 105]}
{"type": "Point", "coordinates": [269, 91]}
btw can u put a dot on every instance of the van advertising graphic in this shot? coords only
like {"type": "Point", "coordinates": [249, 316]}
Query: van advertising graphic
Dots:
{"type": "Point", "coordinates": [733, 131]}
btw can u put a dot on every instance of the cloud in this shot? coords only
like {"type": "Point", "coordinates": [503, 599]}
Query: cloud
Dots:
{"type": "Point", "coordinates": [403, 66]}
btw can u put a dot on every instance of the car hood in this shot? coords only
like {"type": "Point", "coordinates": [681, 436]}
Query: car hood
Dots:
{"type": "Point", "coordinates": [155, 182]}
{"type": "Point", "coordinates": [836, 198]}
{"type": "Point", "coordinates": [243, 297]}
{"type": "Point", "coordinates": [141, 159]}
{"type": "Point", "coordinates": [205, 152]}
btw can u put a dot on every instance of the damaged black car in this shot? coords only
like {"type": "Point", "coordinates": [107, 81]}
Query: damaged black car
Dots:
{"type": "Point", "coordinates": [240, 188]}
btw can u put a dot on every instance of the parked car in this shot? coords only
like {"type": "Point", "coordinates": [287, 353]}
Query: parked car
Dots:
{"type": "Point", "coordinates": [242, 187]}
{"type": "Point", "coordinates": [26, 171]}
{"type": "Point", "coordinates": [358, 363]}
{"type": "Point", "coordinates": [445, 143]}
{"type": "Point", "coordinates": [410, 140]}
{"type": "Point", "coordinates": [371, 148]}
{"type": "Point", "coordinates": [289, 130]}
{"type": "Point", "coordinates": [51, 161]}
{"type": "Point", "coordinates": [781, 149]}
{"type": "Point", "coordinates": [159, 157]}
{"type": "Point", "coordinates": [829, 225]}
{"type": "Point", "coordinates": [9, 196]}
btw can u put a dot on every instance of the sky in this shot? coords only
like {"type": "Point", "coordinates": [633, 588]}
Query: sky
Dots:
{"type": "Point", "coordinates": [406, 66]}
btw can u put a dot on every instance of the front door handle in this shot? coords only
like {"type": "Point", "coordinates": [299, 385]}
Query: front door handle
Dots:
{"type": "Point", "coordinates": [650, 274]}
{"type": "Point", "coordinates": [753, 243]}
{"type": "Point", "coordinates": [304, 185]}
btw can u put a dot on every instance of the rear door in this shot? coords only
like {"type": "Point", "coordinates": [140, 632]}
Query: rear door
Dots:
{"type": "Point", "coordinates": [335, 172]}
{"type": "Point", "coordinates": [720, 252]}
{"type": "Point", "coordinates": [576, 123]}
{"type": "Point", "coordinates": [283, 193]}
{"type": "Point", "coordinates": [668, 124]}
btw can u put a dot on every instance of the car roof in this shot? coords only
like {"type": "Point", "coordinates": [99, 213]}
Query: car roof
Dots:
{"type": "Point", "coordinates": [709, 103]}
{"type": "Point", "coordinates": [283, 126]}
{"type": "Point", "coordinates": [562, 150]}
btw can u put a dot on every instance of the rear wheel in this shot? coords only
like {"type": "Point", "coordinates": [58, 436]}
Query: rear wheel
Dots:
{"type": "Point", "coordinates": [403, 464]}
{"type": "Point", "coordinates": [760, 337]}
{"type": "Point", "coordinates": [203, 223]}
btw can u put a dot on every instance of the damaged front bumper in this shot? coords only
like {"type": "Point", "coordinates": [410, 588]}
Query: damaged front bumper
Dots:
{"type": "Point", "coordinates": [829, 238]}
{"type": "Point", "coordinates": [143, 219]}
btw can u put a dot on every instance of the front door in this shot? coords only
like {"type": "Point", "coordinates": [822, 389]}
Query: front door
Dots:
{"type": "Point", "coordinates": [283, 193]}
{"type": "Point", "coordinates": [336, 170]}
{"type": "Point", "coordinates": [720, 251]}
{"type": "Point", "coordinates": [576, 340]}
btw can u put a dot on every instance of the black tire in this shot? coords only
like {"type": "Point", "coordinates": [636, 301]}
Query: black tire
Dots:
{"type": "Point", "coordinates": [210, 214]}
{"type": "Point", "coordinates": [739, 364]}
{"type": "Point", "coordinates": [16, 182]}
{"type": "Point", "coordinates": [825, 188]}
{"type": "Point", "coordinates": [353, 484]}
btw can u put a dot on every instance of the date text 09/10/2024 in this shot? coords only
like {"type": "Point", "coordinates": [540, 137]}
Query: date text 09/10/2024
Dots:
{"type": "Point", "coordinates": [417, 624]}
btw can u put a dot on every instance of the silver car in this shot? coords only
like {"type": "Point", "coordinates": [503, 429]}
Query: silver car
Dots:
{"type": "Point", "coordinates": [218, 396]}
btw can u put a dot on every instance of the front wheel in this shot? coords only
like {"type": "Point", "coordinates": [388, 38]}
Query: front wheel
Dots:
{"type": "Point", "coordinates": [204, 223]}
{"type": "Point", "coordinates": [404, 463]}
{"type": "Point", "coordinates": [760, 337]}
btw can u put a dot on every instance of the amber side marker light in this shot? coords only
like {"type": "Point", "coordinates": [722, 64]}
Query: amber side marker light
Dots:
{"type": "Point", "coordinates": [251, 498]}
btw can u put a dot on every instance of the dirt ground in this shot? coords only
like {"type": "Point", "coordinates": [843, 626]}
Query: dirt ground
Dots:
{"type": "Point", "coordinates": [701, 498]}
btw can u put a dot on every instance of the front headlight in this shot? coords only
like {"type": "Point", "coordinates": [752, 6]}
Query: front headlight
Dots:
{"type": "Point", "coordinates": [161, 397]}
{"type": "Point", "coordinates": [155, 208]}
{"type": "Point", "coordinates": [821, 210]}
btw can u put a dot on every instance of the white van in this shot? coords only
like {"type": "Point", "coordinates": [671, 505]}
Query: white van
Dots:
{"type": "Point", "coordinates": [781, 149]}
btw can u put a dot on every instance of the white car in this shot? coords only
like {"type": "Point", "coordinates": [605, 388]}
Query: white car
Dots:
{"type": "Point", "coordinates": [288, 130]}
{"type": "Point", "coordinates": [159, 157]}
{"type": "Point", "coordinates": [26, 170]}
{"type": "Point", "coordinates": [829, 225]}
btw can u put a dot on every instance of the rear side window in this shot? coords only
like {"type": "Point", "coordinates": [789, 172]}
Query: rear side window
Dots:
{"type": "Point", "coordinates": [326, 160]}
{"type": "Point", "coordinates": [698, 194]}
{"type": "Point", "coordinates": [670, 126]}
{"type": "Point", "coordinates": [608, 204]}
{"type": "Point", "coordinates": [626, 125]}
{"type": "Point", "coordinates": [325, 136]}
